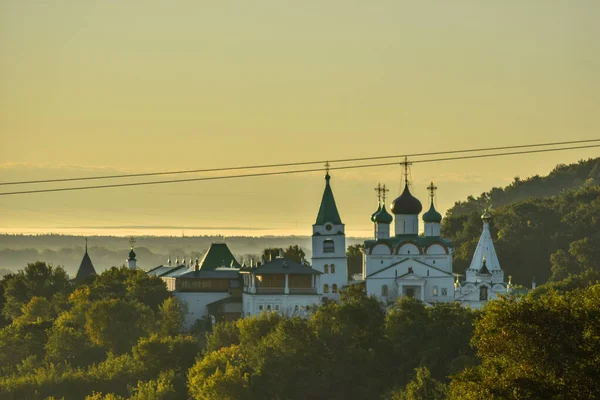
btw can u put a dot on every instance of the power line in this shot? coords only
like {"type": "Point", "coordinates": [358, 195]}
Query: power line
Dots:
{"type": "Point", "coordinates": [294, 164]}
{"type": "Point", "coordinates": [211, 178]}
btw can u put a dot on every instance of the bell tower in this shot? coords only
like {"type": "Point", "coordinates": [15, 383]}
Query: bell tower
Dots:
{"type": "Point", "coordinates": [329, 244]}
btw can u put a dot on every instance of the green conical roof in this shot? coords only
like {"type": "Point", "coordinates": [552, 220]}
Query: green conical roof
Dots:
{"type": "Point", "coordinates": [375, 213]}
{"type": "Point", "coordinates": [328, 211]}
{"type": "Point", "coordinates": [432, 215]}
{"type": "Point", "coordinates": [383, 217]}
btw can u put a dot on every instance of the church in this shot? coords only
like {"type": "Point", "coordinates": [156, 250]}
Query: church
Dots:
{"type": "Point", "coordinates": [406, 263]}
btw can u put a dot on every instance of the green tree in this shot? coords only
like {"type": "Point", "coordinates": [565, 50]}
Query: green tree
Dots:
{"type": "Point", "coordinates": [540, 347]}
{"type": "Point", "coordinates": [117, 324]}
{"type": "Point", "coordinates": [422, 387]}
{"type": "Point", "coordinates": [294, 253]}
{"type": "Point", "coordinates": [36, 280]}
{"type": "Point", "coordinates": [171, 316]}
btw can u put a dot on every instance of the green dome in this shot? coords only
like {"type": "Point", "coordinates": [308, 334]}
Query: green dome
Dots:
{"type": "Point", "coordinates": [383, 217]}
{"type": "Point", "coordinates": [432, 215]}
{"type": "Point", "coordinates": [375, 213]}
{"type": "Point", "coordinates": [132, 255]}
{"type": "Point", "coordinates": [486, 215]}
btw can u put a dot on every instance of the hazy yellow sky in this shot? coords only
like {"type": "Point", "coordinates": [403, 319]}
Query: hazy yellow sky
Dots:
{"type": "Point", "coordinates": [94, 87]}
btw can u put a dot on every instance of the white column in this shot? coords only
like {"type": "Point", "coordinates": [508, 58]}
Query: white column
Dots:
{"type": "Point", "coordinates": [287, 289]}
{"type": "Point", "coordinates": [252, 284]}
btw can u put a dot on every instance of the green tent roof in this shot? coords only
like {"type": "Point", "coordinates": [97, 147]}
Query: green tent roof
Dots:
{"type": "Point", "coordinates": [328, 211]}
{"type": "Point", "coordinates": [218, 255]}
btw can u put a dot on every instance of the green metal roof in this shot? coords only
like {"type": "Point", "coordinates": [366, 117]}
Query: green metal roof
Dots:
{"type": "Point", "coordinates": [328, 211]}
{"type": "Point", "coordinates": [375, 213]}
{"type": "Point", "coordinates": [432, 215]}
{"type": "Point", "coordinates": [218, 255]}
{"type": "Point", "coordinates": [383, 217]}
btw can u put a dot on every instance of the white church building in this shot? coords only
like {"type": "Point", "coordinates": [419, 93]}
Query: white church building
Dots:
{"type": "Point", "coordinates": [407, 263]}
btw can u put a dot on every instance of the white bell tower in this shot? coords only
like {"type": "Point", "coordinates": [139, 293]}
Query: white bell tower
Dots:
{"type": "Point", "coordinates": [329, 245]}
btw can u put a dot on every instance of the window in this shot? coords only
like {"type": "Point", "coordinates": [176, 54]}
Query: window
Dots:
{"type": "Point", "coordinates": [444, 291]}
{"type": "Point", "coordinates": [325, 288]}
{"type": "Point", "coordinates": [260, 308]}
{"type": "Point", "coordinates": [384, 291]}
{"type": "Point", "coordinates": [296, 308]}
{"type": "Point", "coordinates": [483, 293]}
{"type": "Point", "coordinates": [326, 269]}
{"type": "Point", "coordinates": [410, 270]}
{"type": "Point", "coordinates": [435, 290]}
{"type": "Point", "coordinates": [328, 246]}
{"type": "Point", "coordinates": [277, 307]}
{"type": "Point", "coordinates": [334, 288]}
{"type": "Point", "coordinates": [268, 307]}
{"type": "Point", "coordinates": [332, 269]}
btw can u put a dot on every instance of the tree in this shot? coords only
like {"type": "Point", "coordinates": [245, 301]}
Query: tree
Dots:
{"type": "Point", "coordinates": [171, 316]}
{"type": "Point", "coordinates": [36, 280]}
{"type": "Point", "coordinates": [422, 387]}
{"type": "Point", "coordinates": [540, 347]}
{"type": "Point", "coordinates": [117, 324]}
{"type": "Point", "coordinates": [354, 255]}
{"type": "Point", "coordinates": [294, 253]}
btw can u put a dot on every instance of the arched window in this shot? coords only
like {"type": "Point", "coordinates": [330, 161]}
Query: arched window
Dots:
{"type": "Point", "coordinates": [296, 307]}
{"type": "Point", "coordinates": [483, 293]}
{"type": "Point", "coordinates": [334, 288]}
{"type": "Point", "coordinates": [325, 288]}
{"type": "Point", "coordinates": [332, 269]}
{"type": "Point", "coordinates": [328, 246]}
{"type": "Point", "coordinates": [260, 308]}
{"type": "Point", "coordinates": [268, 307]}
{"type": "Point", "coordinates": [435, 290]}
{"type": "Point", "coordinates": [384, 291]}
{"type": "Point", "coordinates": [326, 269]}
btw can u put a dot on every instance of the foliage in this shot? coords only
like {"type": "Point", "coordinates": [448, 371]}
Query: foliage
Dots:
{"type": "Point", "coordinates": [536, 237]}
{"type": "Point", "coordinates": [36, 280]}
{"type": "Point", "coordinates": [422, 387]}
{"type": "Point", "coordinates": [541, 347]}
{"type": "Point", "coordinates": [292, 252]}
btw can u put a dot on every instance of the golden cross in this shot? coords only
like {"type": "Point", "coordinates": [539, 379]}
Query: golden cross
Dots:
{"type": "Point", "coordinates": [378, 190]}
{"type": "Point", "coordinates": [432, 188]}
{"type": "Point", "coordinates": [384, 189]}
{"type": "Point", "coordinates": [131, 242]}
{"type": "Point", "coordinates": [327, 166]}
{"type": "Point", "coordinates": [406, 164]}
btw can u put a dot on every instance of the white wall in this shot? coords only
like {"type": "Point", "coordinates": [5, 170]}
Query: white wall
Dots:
{"type": "Point", "coordinates": [196, 303]}
{"type": "Point", "coordinates": [286, 303]}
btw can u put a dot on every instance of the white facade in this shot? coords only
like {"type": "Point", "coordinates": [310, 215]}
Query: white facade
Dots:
{"type": "Point", "coordinates": [329, 258]}
{"type": "Point", "coordinates": [284, 304]}
{"type": "Point", "coordinates": [196, 303]}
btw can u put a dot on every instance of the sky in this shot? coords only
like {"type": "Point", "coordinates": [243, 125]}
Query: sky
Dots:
{"type": "Point", "coordinates": [93, 88]}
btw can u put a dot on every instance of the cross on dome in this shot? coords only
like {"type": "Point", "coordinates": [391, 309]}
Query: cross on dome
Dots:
{"type": "Point", "coordinates": [384, 190]}
{"type": "Point", "coordinates": [406, 164]}
{"type": "Point", "coordinates": [378, 190]}
{"type": "Point", "coordinates": [432, 188]}
{"type": "Point", "coordinates": [131, 242]}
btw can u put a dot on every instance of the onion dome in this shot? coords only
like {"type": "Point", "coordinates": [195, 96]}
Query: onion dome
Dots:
{"type": "Point", "coordinates": [432, 215]}
{"type": "Point", "coordinates": [132, 254]}
{"type": "Point", "coordinates": [375, 213]}
{"type": "Point", "coordinates": [406, 204]}
{"type": "Point", "coordinates": [486, 216]}
{"type": "Point", "coordinates": [383, 217]}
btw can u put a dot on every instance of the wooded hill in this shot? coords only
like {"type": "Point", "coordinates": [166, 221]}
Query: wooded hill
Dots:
{"type": "Point", "coordinates": [541, 225]}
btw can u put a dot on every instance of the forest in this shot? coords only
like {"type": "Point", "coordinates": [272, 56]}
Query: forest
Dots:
{"type": "Point", "coordinates": [118, 336]}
